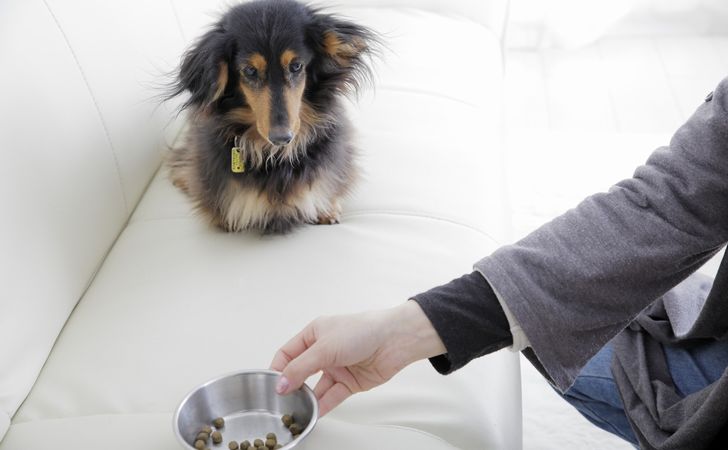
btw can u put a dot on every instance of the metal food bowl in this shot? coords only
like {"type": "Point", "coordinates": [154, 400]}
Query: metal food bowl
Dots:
{"type": "Point", "coordinates": [248, 402]}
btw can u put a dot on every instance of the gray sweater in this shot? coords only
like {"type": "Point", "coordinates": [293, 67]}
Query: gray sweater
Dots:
{"type": "Point", "coordinates": [580, 280]}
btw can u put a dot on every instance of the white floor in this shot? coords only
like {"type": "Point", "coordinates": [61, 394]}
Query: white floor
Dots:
{"type": "Point", "coordinates": [578, 121]}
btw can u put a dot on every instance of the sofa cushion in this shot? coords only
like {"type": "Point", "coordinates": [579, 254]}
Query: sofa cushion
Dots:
{"type": "Point", "coordinates": [177, 303]}
{"type": "Point", "coordinates": [152, 431]}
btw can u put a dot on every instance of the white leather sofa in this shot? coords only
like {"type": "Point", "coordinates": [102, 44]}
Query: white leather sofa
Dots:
{"type": "Point", "coordinates": [115, 300]}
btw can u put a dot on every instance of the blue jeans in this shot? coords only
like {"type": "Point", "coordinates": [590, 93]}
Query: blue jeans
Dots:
{"type": "Point", "coordinates": [595, 395]}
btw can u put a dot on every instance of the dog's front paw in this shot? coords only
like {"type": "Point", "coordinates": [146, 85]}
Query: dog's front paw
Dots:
{"type": "Point", "coordinates": [329, 218]}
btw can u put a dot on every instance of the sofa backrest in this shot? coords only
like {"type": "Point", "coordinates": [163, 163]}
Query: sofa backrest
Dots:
{"type": "Point", "coordinates": [79, 144]}
{"type": "Point", "coordinates": [490, 13]}
{"type": "Point", "coordinates": [193, 14]}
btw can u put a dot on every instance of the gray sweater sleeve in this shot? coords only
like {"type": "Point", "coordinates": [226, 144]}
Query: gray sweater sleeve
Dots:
{"type": "Point", "coordinates": [577, 281]}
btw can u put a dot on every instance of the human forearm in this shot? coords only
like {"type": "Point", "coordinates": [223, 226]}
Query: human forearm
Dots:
{"type": "Point", "coordinates": [468, 318]}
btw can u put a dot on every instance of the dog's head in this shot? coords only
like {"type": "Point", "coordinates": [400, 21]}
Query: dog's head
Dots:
{"type": "Point", "coordinates": [268, 63]}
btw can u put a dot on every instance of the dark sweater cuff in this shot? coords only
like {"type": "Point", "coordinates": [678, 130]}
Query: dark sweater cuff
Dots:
{"type": "Point", "coordinates": [469, 319]}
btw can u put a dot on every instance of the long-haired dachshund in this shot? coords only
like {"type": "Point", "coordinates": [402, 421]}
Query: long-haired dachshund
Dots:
{"type": "Point", "coordinates": [268, 145]}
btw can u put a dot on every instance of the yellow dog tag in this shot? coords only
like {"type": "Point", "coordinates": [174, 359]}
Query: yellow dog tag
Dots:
{"type": "Point", "coordinates": [236, 161]}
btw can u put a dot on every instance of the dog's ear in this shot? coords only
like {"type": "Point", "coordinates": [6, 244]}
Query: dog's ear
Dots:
{"type": "Point", "coordinates": [343, 52]}
{"type": "Point", "coordinates": [205, 69]}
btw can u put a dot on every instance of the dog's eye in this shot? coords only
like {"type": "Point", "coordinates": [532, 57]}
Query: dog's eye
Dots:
{"type": "Point", "coordinates": [295, 67]}
{"type": "Point", "coordinates": [250, 71]}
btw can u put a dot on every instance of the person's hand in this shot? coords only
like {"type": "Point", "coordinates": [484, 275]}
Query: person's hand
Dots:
{"type": "Point", "coordinates": [356, 352]}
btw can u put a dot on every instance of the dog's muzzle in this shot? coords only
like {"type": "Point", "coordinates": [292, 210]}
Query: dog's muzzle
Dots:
{"type": "Point", "coordinates": [280, 135]}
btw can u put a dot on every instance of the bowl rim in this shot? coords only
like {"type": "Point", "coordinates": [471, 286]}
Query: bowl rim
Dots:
{"type": "Point", "coordinates": [305, 388]}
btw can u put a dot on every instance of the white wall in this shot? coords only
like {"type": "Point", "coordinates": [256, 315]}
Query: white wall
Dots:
{"type": "Point", "coordinates": [574, 23]}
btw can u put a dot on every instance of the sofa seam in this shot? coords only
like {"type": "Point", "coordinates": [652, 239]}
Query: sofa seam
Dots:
{"type": "Point", "coordinates": [83, 416]}
{"type": "Point", "coordinates": [162, 413]}
{"type": "Point", "coordinates": [81, 296]}
{"type": "Point", "coordinates": [101, 262]}
{"type": "Point", "coordinates": [96, 105]}
{"type": "Point", "coordinates": [5, 424]}
{"type": "Point", "coordinates": [99, 266]}
{"type": "Point", "coordinates": [178, 21]}
{"type": "Point", "coordinates": [419, 215]}
{"type": "Point", "coordinates": [354, 214]}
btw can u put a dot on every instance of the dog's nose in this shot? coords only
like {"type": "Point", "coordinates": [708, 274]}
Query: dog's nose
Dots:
{"type": "Point", "coordinates": [280, 135]}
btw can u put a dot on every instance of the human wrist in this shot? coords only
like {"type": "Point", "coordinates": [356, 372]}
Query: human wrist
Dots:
{"type": "Point", "coordinates": [413, 335]}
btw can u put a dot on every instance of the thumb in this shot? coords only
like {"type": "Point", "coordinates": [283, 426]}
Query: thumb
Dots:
{"type": "Point", "coordinates": [306, 364]}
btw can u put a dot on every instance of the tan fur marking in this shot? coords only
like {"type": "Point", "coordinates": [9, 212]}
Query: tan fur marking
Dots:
{"type": "Point", "coordinates": [240, 115]}
{"type": "Point", "coordinates": [331, 43]}
{"type": "Point", "coordinates": [259, 151]}
{"type": "Point", "coordinates": [258, 61]}
{"type": "Point", "coordinates": [294, 98]}
{"type": "Point", "coordinates": [287, 57]}
{"type": "Point", "coordinates": [177, 160]}
{"type": "Point", "coordinates": [182, 165]}
{"type": "Point", "coordinates": [309, 118]}
{"type": "Point", "coordinates": [342, 51]}
{"type": "Point", "coordinates": [259, 101]}
{"type": "Point", "coordinates": [222, 79]}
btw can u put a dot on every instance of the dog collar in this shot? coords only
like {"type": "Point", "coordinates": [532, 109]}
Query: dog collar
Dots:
{"type": "Point", "coordinates": [237, 165]}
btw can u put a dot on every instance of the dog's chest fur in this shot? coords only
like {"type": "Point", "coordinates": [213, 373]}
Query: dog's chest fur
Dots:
{"type": "Point", "coordinates": [244, 207]}
{"type": "Point", "coordinates": [275, 192]}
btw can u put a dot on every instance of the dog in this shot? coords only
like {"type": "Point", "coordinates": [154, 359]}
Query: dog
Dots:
{"type": "Point", "coordinates": [268, 146]}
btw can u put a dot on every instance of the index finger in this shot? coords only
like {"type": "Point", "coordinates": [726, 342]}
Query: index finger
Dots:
{"type": "Point", "coordinates": [293, 348]}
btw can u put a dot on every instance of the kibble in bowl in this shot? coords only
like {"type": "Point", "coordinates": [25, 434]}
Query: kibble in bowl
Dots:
{"type": "Point", "coordinates": [249, 409]}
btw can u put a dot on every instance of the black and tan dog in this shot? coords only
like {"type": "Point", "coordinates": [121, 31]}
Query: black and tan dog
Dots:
{"type": "Point", "coordinates": [268, 145]}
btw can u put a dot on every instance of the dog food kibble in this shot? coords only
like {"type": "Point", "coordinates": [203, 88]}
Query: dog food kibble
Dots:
{"type": "Point", "coordinates": [216, 437]}
{"type": "Point", "coordinates": [203, 436]}
{"type": "Point", "coordinates": [269, 443]}
{"type": "Point", "coordinates": [295, 429]}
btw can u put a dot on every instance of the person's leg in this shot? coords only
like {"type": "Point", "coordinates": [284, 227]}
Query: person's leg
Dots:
{"type": "Point", "coordinates": [696, 365]}
{"type": "Point", "coordinates": [596, 397]}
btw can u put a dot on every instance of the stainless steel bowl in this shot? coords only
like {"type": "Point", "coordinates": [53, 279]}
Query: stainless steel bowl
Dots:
{"type": "Point", "coordinates": [248, 402]}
